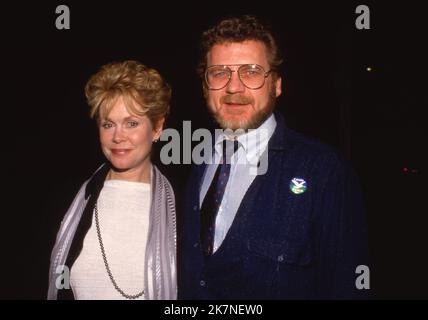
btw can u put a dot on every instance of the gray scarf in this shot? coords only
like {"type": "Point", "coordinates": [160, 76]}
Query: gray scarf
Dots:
{"type": "Point", "coordinates": [160, 261]}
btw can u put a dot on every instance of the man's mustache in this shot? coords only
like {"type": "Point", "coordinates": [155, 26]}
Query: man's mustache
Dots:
{"type": "Point", "coordinates": [236, 99]}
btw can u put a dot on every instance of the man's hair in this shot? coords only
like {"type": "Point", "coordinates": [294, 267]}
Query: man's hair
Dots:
{"type": "Point", "coordinates": [239, 29]}
{"type": "Point", "coordinates": [143, 90]}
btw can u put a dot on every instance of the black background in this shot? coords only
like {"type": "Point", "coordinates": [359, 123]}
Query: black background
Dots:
{"type": "Point", "coordinates": [375, 118]}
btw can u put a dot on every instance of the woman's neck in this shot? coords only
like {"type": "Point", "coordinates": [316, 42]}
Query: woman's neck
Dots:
{"type": "Point", "coordinates": [134, 175]}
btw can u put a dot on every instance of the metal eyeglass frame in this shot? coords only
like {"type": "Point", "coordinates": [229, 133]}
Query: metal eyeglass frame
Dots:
{"type": "Point", "coordinates": [265, 75]}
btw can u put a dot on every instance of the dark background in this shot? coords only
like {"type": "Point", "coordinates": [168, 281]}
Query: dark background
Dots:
{"type": "Point", "coordinates": [375, 118]}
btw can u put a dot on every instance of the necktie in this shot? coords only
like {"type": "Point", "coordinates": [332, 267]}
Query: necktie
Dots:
{"type": "Point", "coordinates": [213, 198]}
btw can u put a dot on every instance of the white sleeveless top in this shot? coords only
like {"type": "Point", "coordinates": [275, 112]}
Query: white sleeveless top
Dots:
{"type": "Point", "coordinates": [123, 212]}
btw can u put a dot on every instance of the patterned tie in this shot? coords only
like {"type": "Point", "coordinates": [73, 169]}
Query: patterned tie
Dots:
{"type": "Point", "coordinates": [213, 198]}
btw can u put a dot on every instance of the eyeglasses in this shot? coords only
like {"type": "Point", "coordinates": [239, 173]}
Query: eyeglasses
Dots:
{"type": "Point", "coordinates": [251, 75]}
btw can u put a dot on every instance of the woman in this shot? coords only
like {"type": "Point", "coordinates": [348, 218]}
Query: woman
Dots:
{"type": "Point", "coordinates": [118, 238]}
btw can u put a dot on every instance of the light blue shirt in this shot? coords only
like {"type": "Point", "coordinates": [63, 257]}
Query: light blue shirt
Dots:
{"type": "Point", "coordinates": [243, 170]}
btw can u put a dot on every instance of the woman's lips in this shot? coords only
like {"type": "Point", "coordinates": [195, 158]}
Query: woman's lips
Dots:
{"type": "Point", "coordinates": [120, 152]}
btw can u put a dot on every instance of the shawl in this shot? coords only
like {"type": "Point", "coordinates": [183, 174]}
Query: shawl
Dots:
{"type": "Point", "coordinates": [160, 274]}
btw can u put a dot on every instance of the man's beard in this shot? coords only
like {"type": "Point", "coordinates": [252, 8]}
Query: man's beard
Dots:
{"type": "Point", "coordinates": [253, 122]}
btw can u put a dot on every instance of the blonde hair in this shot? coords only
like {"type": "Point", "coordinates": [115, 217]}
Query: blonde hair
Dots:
{"type": "Point", "coordinates": [143, 90]}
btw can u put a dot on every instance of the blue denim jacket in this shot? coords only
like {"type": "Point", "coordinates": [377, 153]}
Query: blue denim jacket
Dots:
{"type": "Point", "coordinates": [282, 245]}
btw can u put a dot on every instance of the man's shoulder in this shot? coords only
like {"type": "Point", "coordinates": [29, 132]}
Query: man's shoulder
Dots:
{"type": "Point", "coordinates": [309, 149]}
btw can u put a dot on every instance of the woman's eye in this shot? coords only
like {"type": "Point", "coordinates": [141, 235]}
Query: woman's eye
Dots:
{"type": "Point", "coordinates": [106, 125]}
{"type": "Point", "coordinates": [132, 124]}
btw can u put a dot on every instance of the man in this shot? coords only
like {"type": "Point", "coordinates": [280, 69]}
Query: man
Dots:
{"type": "Point", "coordinates": [279, 216]}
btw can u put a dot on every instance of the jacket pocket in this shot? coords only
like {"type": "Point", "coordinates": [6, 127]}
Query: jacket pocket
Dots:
{"type": "Point", "coordinates": [280, 269]}
{"type": "Point", "coordinates": [284, 251]}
